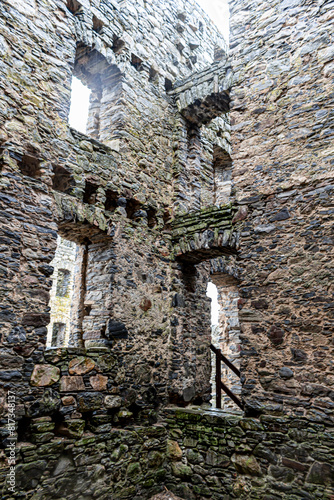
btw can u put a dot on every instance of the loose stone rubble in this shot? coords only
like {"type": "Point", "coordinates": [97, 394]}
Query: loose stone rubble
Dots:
{"type": "Point", "coordinates": [198, 164]}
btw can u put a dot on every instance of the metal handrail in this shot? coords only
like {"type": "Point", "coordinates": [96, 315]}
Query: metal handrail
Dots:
{"type": "Point", "coordinates": [219, 383]}
{"type": "Point", "coordinates": [225, 360]}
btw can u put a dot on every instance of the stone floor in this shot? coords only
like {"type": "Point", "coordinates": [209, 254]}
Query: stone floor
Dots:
{"type": "Point", "coordinates": [166, 495]}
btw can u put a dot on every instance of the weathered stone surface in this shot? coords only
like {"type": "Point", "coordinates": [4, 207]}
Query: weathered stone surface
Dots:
{"type": "Point", "coordinates": [99, 382]}
{"type": "Point", "coordinates": [205, 95]}
{"type": "Point", "coordinates": [205, 235]}
{"type": "Point", "coordinates": [272, 452]}
{"type": "Point", "coordinates": [80, 365]}
{"type": "Point", "coordinates": [68, 400]}
{"type": "Point", "coordinates": [113, 401]}
{"type": "Point", "coordinates": [161, 182]}
{"type": "Point", "coordinates": [283, 259]}
{"type": "Point", "coordinates": [44, 375]}
{"type": "Point", "coordinates": [88, 401]}
{"type": "Point", "coordinates": [71, 383]}
{"type": "Point", "coordinates": [276, 335]}
{"type": "Point", "coordinates": [181, 470]}
{"type": "Point", "coordinates": [71, 428]}
{"type": "Point", "coordinates": [246, 465]}
{"type": "Point", "coordinates": [321, 474]}
{"type": "Point", "coordinates": [174, 451]}
{"type": "Point", "coordinates": [286, 373]}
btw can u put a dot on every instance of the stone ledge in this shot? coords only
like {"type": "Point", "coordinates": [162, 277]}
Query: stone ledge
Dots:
{"type": "Point", "coordinates": [205, 234]}
{"type": "Point", "coordinates": [204, 95]}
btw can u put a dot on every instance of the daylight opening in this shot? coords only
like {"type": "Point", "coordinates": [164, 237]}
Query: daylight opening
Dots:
{"type": "Point", "coordinates": [212, 293]}
{"type": "Point", "coordinates": [222, 176]}
{"type": "Point", "coordinates": [80, 95]}
{"type": "Point", "coordinates": [63, 308]}
{"type": "Point", "coordinates": [225, 331]}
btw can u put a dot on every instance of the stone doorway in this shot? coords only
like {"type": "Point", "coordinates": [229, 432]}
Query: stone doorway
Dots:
{"type": "Point", "coordinates": [225, 333]}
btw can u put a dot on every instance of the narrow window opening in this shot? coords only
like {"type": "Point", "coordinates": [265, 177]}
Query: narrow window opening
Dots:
{"type": "Point", "coordinates": [151, 217]}
{"type": "Point", "coordinates": [118, 44]}
{"type": "Point", "coordinates": [97, 25]}
{"type": "Point", "coordinates": [58, 334]}
{"type": "Point", "coordinates": [222, 175]}
{"type": "Point", "coordinates": [90, 193]}
{"type": "Point", "coordinates": [88, 309]}
{"type": "Point", "coordinates": [219, 53]}
{"type": "Point", "coordinates": [24, 430]}
{"type": "Point", "coordinates": [111, 200]}
{"type": "Point", "coordinates": [62, 180]}
{"type": "Point", "coordinates": [168, 85]}
{"type": "Point", "coordinates": [136, 62]}
{"type": "Point", "coordinates": [167, 218]}
{"type": "Point", "coordinates": [63, 282]}
{"type": "Point", "coordinates": [80, 97]}
{"type": "Point", "coordinates": [30, 166]}
{"type": "Point", "coordinates": [73, 6]}
{"type": "Point", "coordinates": [132, 206]}
{"type": "Point", "coordinates": [62, 316]}
{"type": "Point", "coordinates": [225, 334]}
{"type": "Point", "coordinates": [194, 166]}
{"type": "Point", "coordinates": [153, 75]}
{"type": "Point", "coordinates": [212, 293]}
{"type": "Point", "coordinates": [96, 108]}
{"type": "Point", "coordinates": [80, 288]}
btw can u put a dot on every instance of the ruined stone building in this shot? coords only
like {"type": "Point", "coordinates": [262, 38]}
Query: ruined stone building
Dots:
{"type": "Point", "coordinates": [199, 164]}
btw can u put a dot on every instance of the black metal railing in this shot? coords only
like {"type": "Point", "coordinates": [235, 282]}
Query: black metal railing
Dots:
{"type": "Point", "coordinates": [219, 383]}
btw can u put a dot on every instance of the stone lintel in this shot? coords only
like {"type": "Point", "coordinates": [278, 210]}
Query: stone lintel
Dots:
{"type": "Point", "coordinates": [204, 95]}
{"type": "Point", "coordinates": [205, 234]}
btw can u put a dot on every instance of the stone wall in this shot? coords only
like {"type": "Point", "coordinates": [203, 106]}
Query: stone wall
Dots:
{"type": "Point", "coordinates": [114, 197]}
{"type": "Point", "coordinates": [282, 132]}
{"type": "Point", "coordinates": [118, 464]}
{"type": "Point", "coordinates": [221, 456]}
{"type": "Point", "coordinates": [141, 326]}
{"type": "Point", "coordinates": [141, 194]}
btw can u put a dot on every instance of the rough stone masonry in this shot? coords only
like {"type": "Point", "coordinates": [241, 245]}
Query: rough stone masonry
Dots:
{"type": "Point", "coordinates": [198, 164]}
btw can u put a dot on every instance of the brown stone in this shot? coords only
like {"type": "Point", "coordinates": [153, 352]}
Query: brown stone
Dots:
{"type": "Point", "coordinates": [276, 335]}
{"type": "Point", "coordinates": [260, 304]}
{"type": "Point", "coordinates": [145, 304]}
{"type": "Point", "coordinates": [240, 215]}
{"type": "Point", "coordinates": [36, 320]}
{"type": "Point", "coordinates": [24, 350]}
{"type": "Point", "coordinates": [246, 465]}
{"type": "Point", "coordinates": [68, 401]}
{"type": "Point", "coordinates": [80, 365]}
{"type": "Point", "coordinates": [99, 382]}
{"type": "Point", "coordinates": [44, 375]}
{"type": "Point", "coordinates": [174, 451]}
{"type": "Point", "coordinates": [292, 464]}
{"type": "Point", "coordinates": [71, 384]}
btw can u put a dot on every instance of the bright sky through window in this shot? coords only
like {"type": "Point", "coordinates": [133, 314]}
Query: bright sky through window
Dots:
{"type": "Point", "coordinates": [212, 292]}
{"type": "Point", "coordinates": [79, 105]}
{"type": "Point", "coordinates": [218, 11]}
